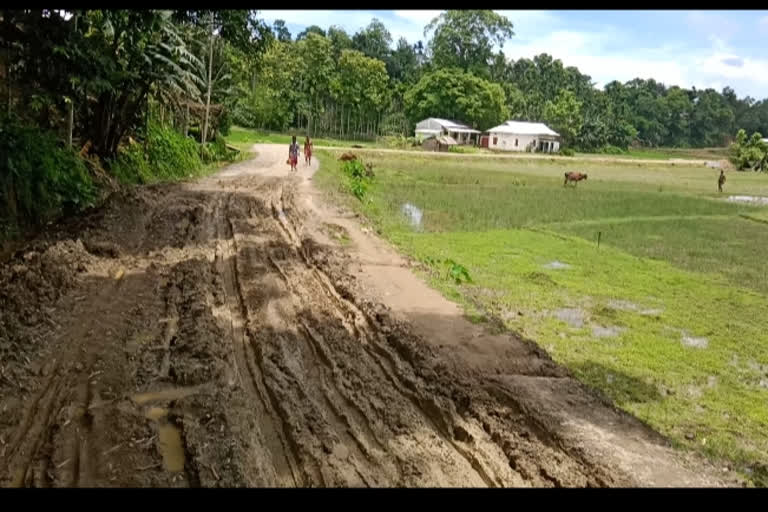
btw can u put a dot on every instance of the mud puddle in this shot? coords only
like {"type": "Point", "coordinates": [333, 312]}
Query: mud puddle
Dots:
{"type": "Point", "coordinates": [164, 395]}
{"type": "Point", "coordinates": [170, 445]}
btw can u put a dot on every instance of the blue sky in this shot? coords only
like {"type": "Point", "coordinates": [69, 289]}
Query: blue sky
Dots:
{"type": "Point", "coordinates": [686, 48]}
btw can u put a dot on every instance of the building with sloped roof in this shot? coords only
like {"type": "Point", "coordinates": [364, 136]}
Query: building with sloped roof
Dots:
{"type": "Point", "coordinates": [523, 136]}
{"type": "Point", "coordinates": [435, 127]}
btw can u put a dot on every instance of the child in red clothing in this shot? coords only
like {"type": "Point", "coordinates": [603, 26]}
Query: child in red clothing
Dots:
{"type": "Point", "coordinates": [293, 154]}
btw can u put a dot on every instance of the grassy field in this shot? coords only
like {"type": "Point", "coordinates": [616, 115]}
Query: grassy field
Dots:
{"type": "Point", "coordinates": [667, 316]}
{"type": "Point", "coordinates": [243, 138]}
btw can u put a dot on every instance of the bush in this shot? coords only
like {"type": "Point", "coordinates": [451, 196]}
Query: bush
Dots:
{"type": "Point", "coordinates": [567, 152]}
{"type": "Point", "coordinates": [169, 156]}
{"type": "Point", "coordinates": [463, 149]}
{"type": "Point", "coordinates": [749, 153]}
{"type": "Point", "coordinates": [38, 178]}
{"type": "Point", "coordinates": [358, 177]}
{"type": "Point", "coordinates": [612, 150]}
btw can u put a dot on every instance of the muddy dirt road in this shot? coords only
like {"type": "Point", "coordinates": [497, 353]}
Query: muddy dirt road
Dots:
{"type": "Point", "coordinates": [212, 334]}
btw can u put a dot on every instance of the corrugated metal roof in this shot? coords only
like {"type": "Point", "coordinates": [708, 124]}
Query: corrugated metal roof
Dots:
{"type": "Point", "coordinates": [524, 128]}
{"type": "Point", "coordinates": [447, 123]}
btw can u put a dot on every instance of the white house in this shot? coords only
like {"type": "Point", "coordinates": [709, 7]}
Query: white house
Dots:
{"type": "Point", "coordinates": [433, 126]}
{"type": "Point", "coordinates": [519, 136]}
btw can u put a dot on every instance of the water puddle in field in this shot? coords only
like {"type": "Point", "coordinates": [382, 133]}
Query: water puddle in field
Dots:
{"type": "Point", "coordinates": [748, 199]}
{"type": "Point", "coordinates": [557, 265]}
{"type": "Point", "coordinates": [571, 316]}
{"type": "Point", "coordinates": [414, 214]}
{"type": "Point", "coordinates": [170, 445]}
{"type": "Point", "coordinates": [611, 331]}
{"type": "Point", "coordinates": [691, 341]}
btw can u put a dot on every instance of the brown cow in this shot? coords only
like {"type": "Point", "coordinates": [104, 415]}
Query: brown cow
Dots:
{"type": "Point", "coordinates": [575, 177]}
{"type": "Point", "coordinates": [346, 157]}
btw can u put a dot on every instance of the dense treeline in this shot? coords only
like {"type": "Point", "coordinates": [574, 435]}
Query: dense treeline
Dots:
{"type": "Point", "coordinates": [146, 94]}
{"type": "Point", "coordinates": [329, 82]}
{"type": "Point", "coordinates": [92, 95]}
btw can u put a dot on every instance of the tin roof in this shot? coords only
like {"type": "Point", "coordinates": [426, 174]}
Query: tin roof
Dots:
{"type": "Point", "coordinates": [524, 128]}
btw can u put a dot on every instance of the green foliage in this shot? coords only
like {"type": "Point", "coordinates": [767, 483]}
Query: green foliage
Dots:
{"type": "Point", "coordinates": [38, 178]}
{"type": "Point", "coordinates": [564, 115]}
{"type": "Point", "coordinates": [455, 94]}
{"type": "Point", "coordinates": [463, 149]}
{"type": "Point", "coordinates": [456, 272]}
{"type": "Point", "coordinates": [398, 141]}
{"type": "Point", "coordinates": [749, 153]}
{"type": "Point", "coordinates": [465, 39]}
{"type": "Point", "coordinates": [373, 41]}
{"type": "Point", "coordinates": [567, 152]}
{"type": "Point", "coordinates": [169, 156]}
{"type": "Point", "coordinates": [358, 178]}
{"type": "Point", "coordinates": [612, 150]}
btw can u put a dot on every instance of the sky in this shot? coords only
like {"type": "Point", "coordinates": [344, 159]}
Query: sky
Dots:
{"type": "Point", "coordinates": [686, 48]}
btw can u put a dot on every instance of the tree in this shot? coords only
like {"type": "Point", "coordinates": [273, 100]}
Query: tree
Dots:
{"type": "Point", "coordinates": [465, 39]}
{"type": "Point", "coordinates": [455, 94]}
{"type": "Point", "coordinates": [312, 29]}
{"type": "Point", "coordinates": [404, 63]}
{"type": "Point", "coordinates": [749, 153]}
{"type": "Point", "coordinates": [317, 61]}
{"type": "Point", "coordinates": [564, 114]}
{"type": "Point", "coordinates": [678, 109]}
{"type": "Point", "coordinates": [340, 40]}
{"type": "Point", "coordinates": [373, 41]}
{"type": "Point", "coordinates": [281, 31]}
{"type": "Point", "coordinates": [710, 119]}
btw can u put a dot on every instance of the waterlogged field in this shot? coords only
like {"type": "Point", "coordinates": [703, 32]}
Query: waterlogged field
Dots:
{"type": "Point", "coordinates": [666, 317]}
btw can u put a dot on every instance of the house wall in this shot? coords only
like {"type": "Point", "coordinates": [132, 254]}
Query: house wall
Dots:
{"type": "Point", "coordinates": [506, 141]}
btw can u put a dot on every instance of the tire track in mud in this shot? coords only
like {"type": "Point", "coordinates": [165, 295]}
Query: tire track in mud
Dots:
{"type": "Point", "coordinates": [285, 373]}
{"type": "Point", "coordinates": [366, 335]}
{"type": "Point", "coordinates": [281, 454]}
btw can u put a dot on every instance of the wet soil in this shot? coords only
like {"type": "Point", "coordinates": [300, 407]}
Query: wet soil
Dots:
{"type": "Point", "coordinates": [209, 334]}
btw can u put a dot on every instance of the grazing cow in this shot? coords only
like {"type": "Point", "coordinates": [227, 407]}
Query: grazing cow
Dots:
{"type": "Point", "coordinates": [346, 157]}
{"type": "Point", "coordinates": [575, 177]}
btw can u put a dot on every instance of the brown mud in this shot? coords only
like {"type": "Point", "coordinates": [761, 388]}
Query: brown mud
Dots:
{"type": "Point", "coordinates": [209, 334]}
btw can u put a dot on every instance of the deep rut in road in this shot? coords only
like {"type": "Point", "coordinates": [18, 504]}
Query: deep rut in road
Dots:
{"type": "Point", "coordinates": [195, 335]}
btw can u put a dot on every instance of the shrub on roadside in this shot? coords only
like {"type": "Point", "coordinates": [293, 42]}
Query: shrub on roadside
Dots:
{"type": "Point", "coordinates": [358, 177]}
{"type": "Point", "coordinates": [38, 177]}
{"type": "Point", "coordinates": [567, 152]}
{"type": "Point", "coordinates": [169, 155]}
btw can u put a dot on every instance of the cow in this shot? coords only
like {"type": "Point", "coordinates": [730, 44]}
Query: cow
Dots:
{"type": "Point", "coordinates": [346, 157]}
{"type": "Point", "coordinates": [575, 177]}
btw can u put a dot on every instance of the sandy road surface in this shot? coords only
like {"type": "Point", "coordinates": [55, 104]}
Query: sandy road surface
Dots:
{"type": "Point", "coordinates": [210, 334]}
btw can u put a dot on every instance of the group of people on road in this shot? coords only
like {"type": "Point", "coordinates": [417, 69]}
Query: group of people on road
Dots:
{"type": "Point", "coordinates": [293, 153]}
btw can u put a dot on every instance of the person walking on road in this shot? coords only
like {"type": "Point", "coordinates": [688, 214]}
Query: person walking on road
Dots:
{"type": "Point", "coordinates": [307, 151]}
{"type": "Point", "coordinates": [293, 154]}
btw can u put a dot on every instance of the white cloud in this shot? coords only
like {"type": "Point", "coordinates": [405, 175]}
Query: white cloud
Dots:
{"type": "Point", "coordinates": [420, 17]}
{"type": "Point", "coordinates": [604, 52]}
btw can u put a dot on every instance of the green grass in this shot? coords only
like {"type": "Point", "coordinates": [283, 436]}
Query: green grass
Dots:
{"type": "Point", "coordinates": [683, 262]}
{"type": "Point", "coordinates": [669, 154]}
{"type": "Point", "coordinates": [244, 138]}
